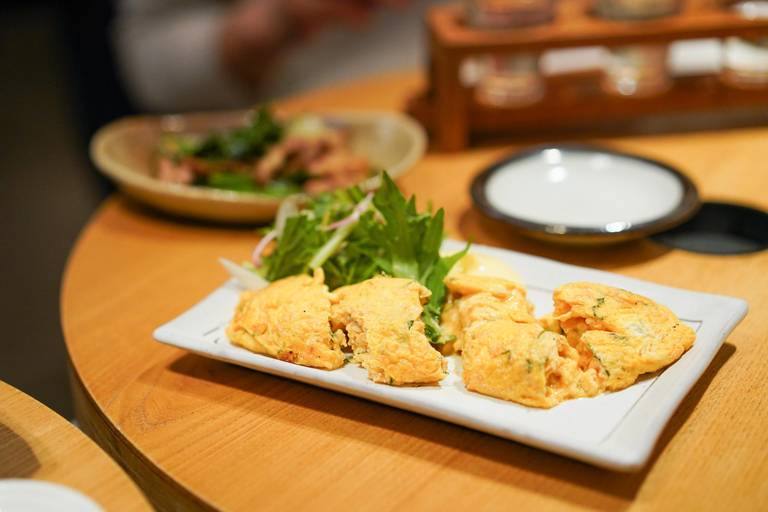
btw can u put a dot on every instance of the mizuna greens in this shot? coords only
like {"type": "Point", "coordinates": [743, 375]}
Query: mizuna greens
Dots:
{"type": "Point", "coordinates": [355, 237]}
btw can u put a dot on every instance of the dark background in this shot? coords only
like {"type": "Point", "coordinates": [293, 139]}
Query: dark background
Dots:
{"type": "Point", "coordinates": [56, 87]}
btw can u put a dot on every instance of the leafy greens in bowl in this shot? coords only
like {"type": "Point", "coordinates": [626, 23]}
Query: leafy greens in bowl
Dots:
{"type": "Point", "coordinates": [267, 155]}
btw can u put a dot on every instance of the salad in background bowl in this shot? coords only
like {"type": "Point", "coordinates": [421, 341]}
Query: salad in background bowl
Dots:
{"type": "Point", "coordinates": [238, 166]}
{"type": "Point", "coordinates": [267, 155]}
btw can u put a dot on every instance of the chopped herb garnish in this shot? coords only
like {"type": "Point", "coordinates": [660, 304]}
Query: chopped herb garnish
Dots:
{"type": "Point", "coordinates": [600, 302]}
{"type": "Point", "coordinates": [600, 360]}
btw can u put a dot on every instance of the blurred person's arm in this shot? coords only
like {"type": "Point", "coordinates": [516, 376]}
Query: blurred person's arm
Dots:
{"type": "Point", "coordinates": [180, 55]}
{"type": "Point", "coordinates": [169, 52]}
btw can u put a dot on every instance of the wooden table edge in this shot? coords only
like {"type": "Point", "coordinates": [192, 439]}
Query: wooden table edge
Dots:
{"type": "Point", "coordinates": [53, 442]}
{"type": "Point", "coordinates": [163, 492]}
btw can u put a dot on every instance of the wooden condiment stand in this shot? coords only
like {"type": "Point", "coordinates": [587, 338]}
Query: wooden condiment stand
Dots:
{"type": "Point", "coordinates": [450, 111]}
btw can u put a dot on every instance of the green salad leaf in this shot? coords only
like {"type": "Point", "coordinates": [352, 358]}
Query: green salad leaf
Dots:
{"type": "Point", "coordinates": [353, 241]}
{"type": "Point", "coordinates": [242, 144]}
{"type": "Point", "coordinates": [232, 181]}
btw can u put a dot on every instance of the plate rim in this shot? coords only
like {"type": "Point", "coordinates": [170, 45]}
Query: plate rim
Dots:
{"type": "Point", "coordinates": [687, 207]}
{"type": "Point", "coordinates": [612, 452]}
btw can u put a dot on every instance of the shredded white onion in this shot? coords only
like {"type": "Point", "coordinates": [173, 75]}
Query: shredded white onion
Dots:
{"type": "Point", "coordinates": [245, 277]}
{"type": "Point", "coordinates": [288, 208]}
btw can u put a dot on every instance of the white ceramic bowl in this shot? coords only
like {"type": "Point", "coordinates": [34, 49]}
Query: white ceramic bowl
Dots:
{"type": "Point", "coordinates": [126, 151]}
{"type": "Point", "coordinates": [584, 195]}
{"type": "Point", "coordinates": [22, 495]}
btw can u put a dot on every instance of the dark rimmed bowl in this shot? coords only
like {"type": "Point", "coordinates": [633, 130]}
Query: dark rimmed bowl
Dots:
{"type": "Point", "coordinates": [615, 228]}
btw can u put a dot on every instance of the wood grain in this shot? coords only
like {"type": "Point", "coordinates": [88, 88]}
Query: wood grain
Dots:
{"type": "Point", "coordinates": [37, 443]}
{"type": "Point", "coordinates": [213, 436]}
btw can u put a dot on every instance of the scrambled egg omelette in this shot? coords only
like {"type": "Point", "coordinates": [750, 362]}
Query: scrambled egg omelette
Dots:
{"type": "Point", "coordinates": [381, 318]}
{"type": "Point", "coordinates": [505, 351]}
{"type": "Point", "coordinates": [289, 320]}
{"type": "Point", "coordinates": [622, 334]}
{"type": "Point", "coordinates": [597, 339]}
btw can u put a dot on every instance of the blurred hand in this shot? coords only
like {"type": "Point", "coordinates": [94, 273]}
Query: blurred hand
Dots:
{"type": "Point", "coordinates": [255, 34]}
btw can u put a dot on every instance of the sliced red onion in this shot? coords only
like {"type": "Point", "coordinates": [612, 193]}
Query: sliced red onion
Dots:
{"type": "Point", "coordinates": [256, 258]}
{"type": "Point", "coordinates": [359, 209]}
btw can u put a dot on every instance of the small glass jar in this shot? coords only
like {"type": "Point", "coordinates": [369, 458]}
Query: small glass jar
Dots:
{"type": "Point", "coordinates": [636, 9]}
{"type": "Point", "coordinates": [637, 71]}
{"type": "Point", "coordinates": [745, 63]}
{"type": "Point", "coordinates": [507, 80]}
{"type": "Point", "coordinates": [749, 9]}
{"type": "Point", "coordinates": [510, 80]}
{"type": "Point", "coordinates": [500, 14]}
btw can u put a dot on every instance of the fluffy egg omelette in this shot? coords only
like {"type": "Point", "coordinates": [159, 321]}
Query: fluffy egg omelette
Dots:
{"type": "Point", "coordinates": [506, 353]}
{"type": "Point", "coordinates": [598, 339]}
{"type": "Point", "coordinates": [381, 317]}
{"type": "Point", "coordinates": [289, 320]}
{"type": "Point", "coordinates": [619, 332]}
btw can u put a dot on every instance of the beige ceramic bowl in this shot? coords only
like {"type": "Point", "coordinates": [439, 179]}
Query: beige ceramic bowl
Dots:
{"type": "Point", "coordinates": [125, 151]}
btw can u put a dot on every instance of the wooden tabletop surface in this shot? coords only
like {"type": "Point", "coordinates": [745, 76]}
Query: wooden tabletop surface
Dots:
{"type": "Point", "coordinates": [201, 434]}
{"type": "Point", "coordinates": [36, 443]}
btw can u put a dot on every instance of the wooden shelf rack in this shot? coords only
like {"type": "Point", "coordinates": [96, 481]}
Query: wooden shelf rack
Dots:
{"type": "Point", "coordinates": [451, 113]}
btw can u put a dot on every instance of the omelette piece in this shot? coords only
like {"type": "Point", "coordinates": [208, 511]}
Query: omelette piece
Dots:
{"type": "Point", "coordinates": [505, 359]}
{"type": "Point", "coordinates": [474, 298]}
{"type": "Point", "coordinates": [524, 363]}
{"type": "Point", "coordinates": [381, 319]}
{"type": "Point", "coordinates": [289, 320]}
{"type": "Point", "coordinates": [477, 265]}
{"type": "Point", "coordinates": [621, 333]}
{"type": "Point", "coordinates": [507, 354]}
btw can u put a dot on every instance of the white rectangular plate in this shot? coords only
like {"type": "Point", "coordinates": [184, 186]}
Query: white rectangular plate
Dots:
{"type": "Point", "coordinates": [614, 430]}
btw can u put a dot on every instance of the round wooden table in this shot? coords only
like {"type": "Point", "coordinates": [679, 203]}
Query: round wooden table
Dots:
{"type": "Point", "coordinates": [36, 443]}
{"type": "Point", "coordinates": [199, 434]}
